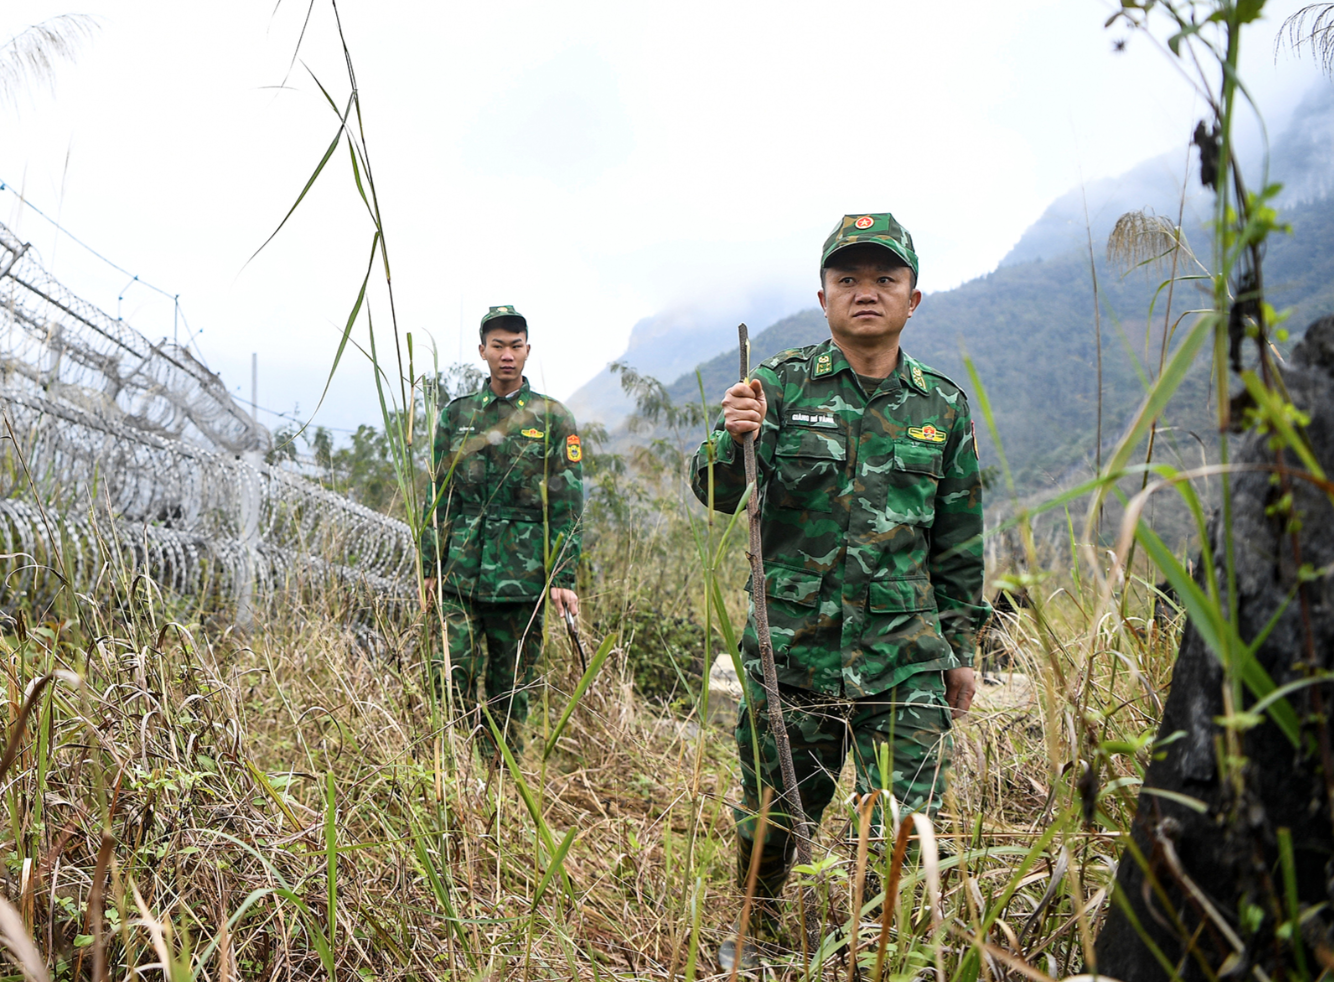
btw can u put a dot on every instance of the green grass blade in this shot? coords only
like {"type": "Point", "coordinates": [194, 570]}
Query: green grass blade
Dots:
{"type": "Point", "coordinates": [555, 866]}
{"type": "Point", "coordinates": [984, 407]}
{"type": "Point", "coordinates": [604, 649]}
{"type": "Point", "coordinates": [1217, 631]}
{"type": "Point", "coordinates": [1214, 628]}
{"type": "Point", "coordinates": [543, 830]}
{"type": "Point", "coordinates": [333, 145]}
{"type": "Point", "coordinates": [438, 880]}
{"type": "Point", "coordinates": [1174, 373]}
{"type": "Point", "coordinates": [331, 860]}
{"type": "Point", "coordinates": [1294, 911]}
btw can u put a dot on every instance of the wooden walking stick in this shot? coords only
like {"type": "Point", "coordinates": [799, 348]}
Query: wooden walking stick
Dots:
{"type": "Point", "coordinates": [791, 794]}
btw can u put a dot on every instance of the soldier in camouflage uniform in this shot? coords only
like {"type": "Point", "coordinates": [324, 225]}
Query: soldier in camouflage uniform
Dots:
{"type": "Point", "coordinates": [871, 520]}
{"type": "Point", "coordinates": [504, 527]}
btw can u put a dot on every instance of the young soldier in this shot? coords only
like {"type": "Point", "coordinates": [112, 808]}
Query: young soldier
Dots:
{"type": "Point", "coordinates": [871, 520]}
{"type": "Point", "coordinates": [504, 525]}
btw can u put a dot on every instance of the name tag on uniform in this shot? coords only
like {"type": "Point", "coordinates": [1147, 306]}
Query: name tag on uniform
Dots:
{"type": "Point", "coordinates": [825, 420]}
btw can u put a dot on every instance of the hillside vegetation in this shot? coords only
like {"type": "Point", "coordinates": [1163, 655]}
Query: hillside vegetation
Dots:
{"type": "Point", "coordinates": [1030, 332]}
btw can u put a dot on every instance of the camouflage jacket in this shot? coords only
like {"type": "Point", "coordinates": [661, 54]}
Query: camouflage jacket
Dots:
{"type": "Point", "coordinates": [871, 522]}
{"type": "Point", "coordinates": [509, 491]}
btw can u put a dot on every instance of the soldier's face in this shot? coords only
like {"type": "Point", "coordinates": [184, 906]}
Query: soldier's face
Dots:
{"type": "Point", "coordinates": [867, 299]}
{"type": "Point", "coordinates": [504, 353]}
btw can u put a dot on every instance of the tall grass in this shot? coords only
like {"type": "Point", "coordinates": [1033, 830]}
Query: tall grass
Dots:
{"type": "Point", "coordinates": [292, 804]}
{"type": "Point", "coordinates": [275, 807]}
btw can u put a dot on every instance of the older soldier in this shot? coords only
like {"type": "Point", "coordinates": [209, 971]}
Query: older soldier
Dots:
{"type": "Point", "coordinates": [504, 526]}
{"type": "Point", "coordinates": [871, 522]}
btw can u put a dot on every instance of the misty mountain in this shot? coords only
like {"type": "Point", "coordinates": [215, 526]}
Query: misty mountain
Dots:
{"type": "Point", "coordinates": [1301, 154]}
{"type": "Point", "coordinates": [1029, 326]}
{"type": "Point", "coordinates": [665, 346]}
{"type": "Point", "coordinates": [1299, 160]}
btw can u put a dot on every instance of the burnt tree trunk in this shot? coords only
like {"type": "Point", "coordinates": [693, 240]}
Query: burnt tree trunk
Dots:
{"type": "Point", "coordinates": [1228, 857]}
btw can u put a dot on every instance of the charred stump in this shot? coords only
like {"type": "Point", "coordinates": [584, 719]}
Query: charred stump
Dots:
{"type": "Point", "coordinates": [1208, 890]}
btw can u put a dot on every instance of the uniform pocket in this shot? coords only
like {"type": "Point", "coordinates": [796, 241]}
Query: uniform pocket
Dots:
{"type": "Point", "coordinates": [915, 458]}
{"type": "Point", "coordinates": [807, 466]}
{"type": "Point", "coordinates": [793, 597]}
{"type": "Point", "coordinates": [916, 472]}
{"type": "Point", "coordinates": [466, 460]}
{"type": "Point", "coordinates": [511, 567]}
{"type": "Point", "coordinates": [523, 482]}
{"type": "Point", "coordinates": [463, 555]}
{"type": "Point", "coordinates": [795, 586]}
{"type": "Point", "coordinates": [909, 595]}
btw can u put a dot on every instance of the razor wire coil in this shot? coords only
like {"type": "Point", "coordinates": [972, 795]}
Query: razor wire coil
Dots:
{"type": "Point", "coordinates": [116, 443]}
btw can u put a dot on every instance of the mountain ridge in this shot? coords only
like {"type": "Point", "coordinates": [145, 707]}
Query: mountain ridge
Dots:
{"type": "Point", "coordinates": [1028, 325]}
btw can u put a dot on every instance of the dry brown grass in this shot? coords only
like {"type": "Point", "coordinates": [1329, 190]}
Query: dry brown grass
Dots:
{"type": "Point", "coordinates": [207, 760]}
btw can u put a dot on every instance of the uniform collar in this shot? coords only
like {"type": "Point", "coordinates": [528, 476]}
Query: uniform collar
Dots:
{"type": "Point", "coordinates": [517, 399]}
{"type": "Point", "coordinates": [830, 360]}
{"type": "Point", "coordinates": [911, 374]}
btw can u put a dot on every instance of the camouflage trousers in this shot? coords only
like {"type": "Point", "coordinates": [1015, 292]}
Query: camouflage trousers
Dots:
{"type": "Point", "coordinates": [912, 720]}
{"type": "Point", "coordinates": [498, 674]}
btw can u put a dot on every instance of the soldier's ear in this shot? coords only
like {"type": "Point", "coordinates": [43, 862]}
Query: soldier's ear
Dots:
{"type": "Point", "coordinates": [819, 295]}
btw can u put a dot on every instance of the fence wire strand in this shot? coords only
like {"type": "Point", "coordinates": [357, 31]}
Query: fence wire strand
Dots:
{"type": "Point", "coordinates": [137, 447]}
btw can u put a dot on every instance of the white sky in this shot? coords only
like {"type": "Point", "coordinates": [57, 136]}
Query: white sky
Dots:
{"type": "Point", "coordinates": [591, 163]}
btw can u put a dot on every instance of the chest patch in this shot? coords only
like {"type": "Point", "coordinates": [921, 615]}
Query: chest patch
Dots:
{"type": "Point", "coordinates": [825, 420]}
{"type": "Point", "coordinates": [927, 434]}
{"type": "Point", "coordinates": [534, 433]}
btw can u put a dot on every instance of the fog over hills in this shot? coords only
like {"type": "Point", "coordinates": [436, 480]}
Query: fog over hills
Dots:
{"type": "Point", "coordinates": [1029, 325]}
{"type": "Point", "coordinates": [667, 345]}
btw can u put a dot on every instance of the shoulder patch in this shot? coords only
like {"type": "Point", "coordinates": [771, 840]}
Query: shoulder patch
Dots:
{"type": "Point", "coordinates": [573, 451]}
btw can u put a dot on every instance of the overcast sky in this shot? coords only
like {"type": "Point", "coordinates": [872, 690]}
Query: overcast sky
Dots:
{"type": "Point", "coordinates": [591, 163]}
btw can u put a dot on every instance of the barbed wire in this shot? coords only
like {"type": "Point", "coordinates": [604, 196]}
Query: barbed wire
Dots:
{"type": "Point", "coordinates": [143, 442]}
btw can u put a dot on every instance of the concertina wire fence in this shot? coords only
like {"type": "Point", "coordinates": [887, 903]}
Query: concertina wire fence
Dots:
{"type": "Point", "coordinates": [114, 444]}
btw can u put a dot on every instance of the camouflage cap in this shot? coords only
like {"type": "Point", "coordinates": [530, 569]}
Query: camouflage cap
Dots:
{"type": "Point", "coordinates": [877, 229]}
{"type": "Point", "coordinates": [505, 310]}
